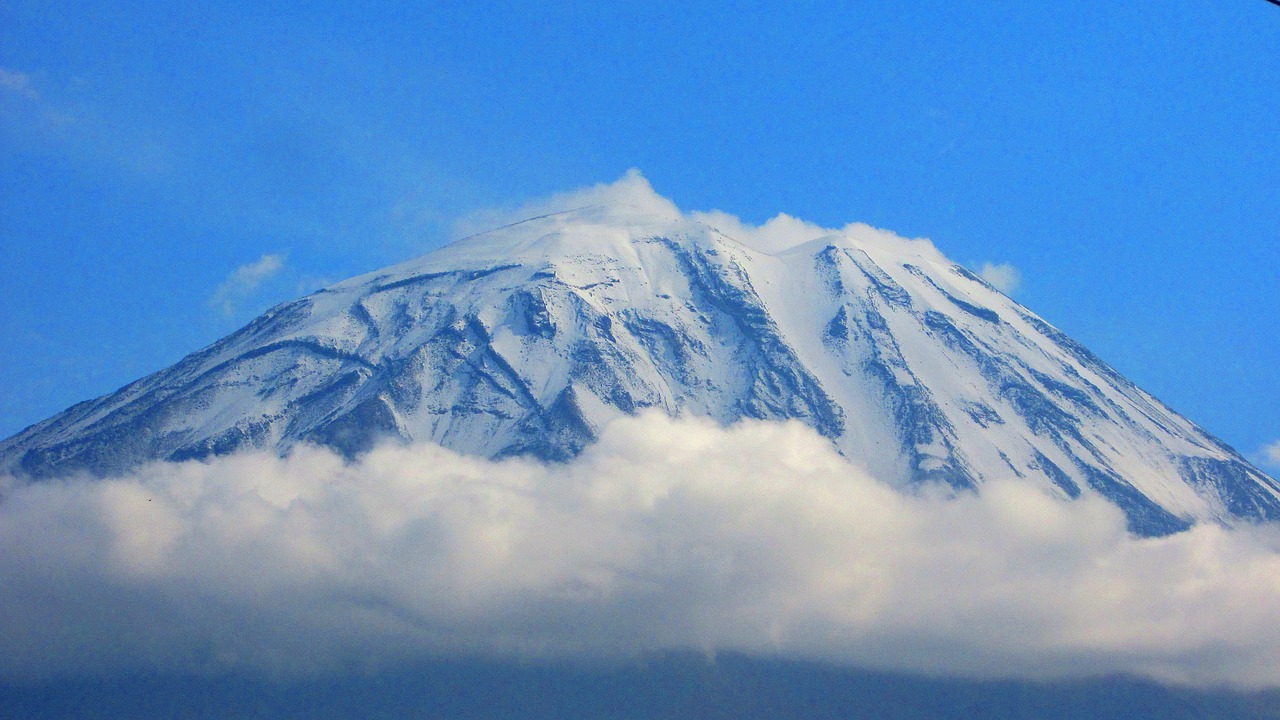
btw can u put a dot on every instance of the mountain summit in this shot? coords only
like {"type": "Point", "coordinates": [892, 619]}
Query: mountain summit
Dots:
{"type": "Point", "coordinates": [527, 339]}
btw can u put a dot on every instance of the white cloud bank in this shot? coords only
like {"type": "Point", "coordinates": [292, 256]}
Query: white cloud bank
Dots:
{"type": "Point", "coordinates": [665, 534]}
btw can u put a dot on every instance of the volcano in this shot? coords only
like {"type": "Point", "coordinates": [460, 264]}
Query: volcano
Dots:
{"type": "Point", "coordinates": [528, 339]}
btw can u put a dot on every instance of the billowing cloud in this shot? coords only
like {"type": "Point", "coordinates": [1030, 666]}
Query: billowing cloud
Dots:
{"type": "Point", "coordinates": [244, 281]}
{"type": "Point", "coordinates": [1002, 276]}
{"type": "Point", "coordinates": [665, 534]}
{"type": "Point", "coordinates": [778, 234]}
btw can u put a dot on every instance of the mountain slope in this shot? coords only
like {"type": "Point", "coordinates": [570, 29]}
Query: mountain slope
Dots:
{"type": "Point", "coordinates": [529, 338]}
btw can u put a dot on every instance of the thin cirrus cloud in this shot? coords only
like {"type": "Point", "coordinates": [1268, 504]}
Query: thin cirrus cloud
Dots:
{"type": "Point", "coordinates": [244, 281]}
{"type": "Point", "coordinates": [665, 534]}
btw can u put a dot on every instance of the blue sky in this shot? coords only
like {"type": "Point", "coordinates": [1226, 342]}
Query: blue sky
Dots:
{"type": "Point", "coordinates": [168, 171]}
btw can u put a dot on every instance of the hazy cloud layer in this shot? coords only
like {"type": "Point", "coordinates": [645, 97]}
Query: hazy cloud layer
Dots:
{"type": "Point", "coordinates": [1002, 276]}
{"type": "Point", "coordinates": [665, 534]}
{"type": "Point", "coordinates": [244, 281]}
{"type": "Point", "coordinates": [776, 235]}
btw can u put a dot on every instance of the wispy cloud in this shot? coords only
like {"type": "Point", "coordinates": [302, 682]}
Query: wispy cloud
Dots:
{"type": "Point", "coordinates": [244, 281]}
{"type": "Point", "coordinates": [20, 96]}
{"type": "Point", "coordinates": [1271, 455]}
{"type": "Point", "coordinates": [665, 534]}
{"type": "Point", "coordinates": [1002, 276]}
{"type": "Point", "coordinates": [19, 83]}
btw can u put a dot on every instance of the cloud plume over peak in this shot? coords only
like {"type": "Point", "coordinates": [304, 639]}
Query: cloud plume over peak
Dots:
{"type": "Point", "coordinates": [775, 235]}
{"type": "Point", "coordinates": [1271, 454]}
{"type": "Point", "coordinates": [1002, 276]}
{"type": "Point", "coordinates": [666, 534]}
{"type": "Point", "coordinates": [244, 281]}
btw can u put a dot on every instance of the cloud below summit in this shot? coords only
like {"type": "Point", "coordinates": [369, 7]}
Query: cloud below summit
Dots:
{"type": "Point", "coordinates": [665, 534]}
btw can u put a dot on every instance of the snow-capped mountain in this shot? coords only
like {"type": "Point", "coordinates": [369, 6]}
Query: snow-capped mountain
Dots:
{"type": "Point", "coordinates": [529, 338]}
